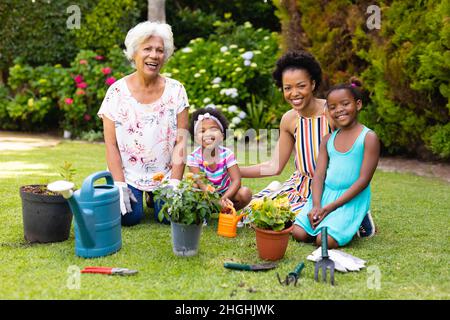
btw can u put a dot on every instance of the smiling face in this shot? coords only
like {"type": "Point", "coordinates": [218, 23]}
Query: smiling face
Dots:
{"type": "Point", "coordinates": [149, 57]}
{"type": "Point", "coordinates": [343, 108]}
{"type": "Point", "coordinates": [297, 88]}
{"type": "Point", "coordinates": [209, 134]}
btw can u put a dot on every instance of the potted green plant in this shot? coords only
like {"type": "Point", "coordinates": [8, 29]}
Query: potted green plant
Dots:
{"type": "Point", "coordinates": [187, 207]}
{"type": "Point", "coordinates": [272, 221]}
{"type": "Point", "coordinates": [46, 214]}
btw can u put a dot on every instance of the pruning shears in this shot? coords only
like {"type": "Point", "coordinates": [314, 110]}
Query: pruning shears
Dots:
{"type": "Point", "coordinates": [109, 270]}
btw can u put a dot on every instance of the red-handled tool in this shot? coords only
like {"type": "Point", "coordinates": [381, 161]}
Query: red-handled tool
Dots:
{"type": "Point", "coordinates": [108, 270]}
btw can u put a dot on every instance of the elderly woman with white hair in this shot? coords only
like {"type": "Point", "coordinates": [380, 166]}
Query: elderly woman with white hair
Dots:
{"type": "Point", "coordinates": [145, 119]}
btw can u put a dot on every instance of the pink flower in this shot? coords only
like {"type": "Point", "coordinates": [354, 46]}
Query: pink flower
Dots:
{"type": "Point", "coordinates": [87, 117]}
{"type": "Point", "coordinates": [68, 101]}
{"type": "Point", "coordinates": [109, 81]}
{"type": "Point", "coordinates": [78, 78]}
{"type": "Point", "coordinates": [132, 159]}
{"type": "Point", "coordinates": [99, 57]}
{"type": "Point", "coordinates": [80, 92]}
{"type": "Point", "coordinates": [106, 70]}
{"type": "Point", "coordinates": [83, 61]}
{"type": "Point", "coordinates": [82, 85]}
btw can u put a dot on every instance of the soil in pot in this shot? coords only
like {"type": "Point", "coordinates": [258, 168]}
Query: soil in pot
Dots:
{"type": "Point", "coordinates": [272, 245]}
{"type": "Point", "coordinates": [46, 215]}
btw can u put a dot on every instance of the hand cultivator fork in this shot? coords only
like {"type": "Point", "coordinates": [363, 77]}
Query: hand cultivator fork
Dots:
{"type": "Point", "coordinates": [325, 262]}
{"type": "Point", "coordinates": [292, 277]}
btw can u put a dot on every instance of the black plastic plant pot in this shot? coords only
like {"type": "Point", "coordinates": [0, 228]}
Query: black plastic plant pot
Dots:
{"type": "Point", "coordinates": [46, 218]}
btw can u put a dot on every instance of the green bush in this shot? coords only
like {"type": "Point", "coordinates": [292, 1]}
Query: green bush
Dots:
{"type": "Point", "coordinates": [106, 25]}
{"type": "Point", "coordinates": [188, 24]}
{"type": "Point", "coordinates": [259, 13]}
{"type": "Point", "coordinates": [226, 70]}
{"type": "Point", "coordinates": [52, 96]}
{"type": "Point", "coordinates": [438, 140]}
{"type": "Point", "coordinates": [36, 91]}
{"type": "Point", "coordinates": [91, 75]}
{"type": "Point", "coordinates": [405, 68]}
{"type": "Point", "coordinates": [92, 136]}
{"type": "Point", "coordinates": [5, 121]}
{"type": "Point", "coordinates": [36, 31]}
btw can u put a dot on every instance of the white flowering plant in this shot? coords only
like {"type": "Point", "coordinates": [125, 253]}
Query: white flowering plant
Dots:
{"type": "Point", "coordinates": [186, 203]}
{"type": "Point", "coordinates": [224, 71]}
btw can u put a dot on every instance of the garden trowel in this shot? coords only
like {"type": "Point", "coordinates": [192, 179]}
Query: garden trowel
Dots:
{"type": "Point", "coordinates": [250, 267]}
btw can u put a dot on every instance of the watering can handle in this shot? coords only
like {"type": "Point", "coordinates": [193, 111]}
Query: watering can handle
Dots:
{"type": "Point", "coordinates": [233, 212]}
{"type": "Point", "coordinates": [87, 189]}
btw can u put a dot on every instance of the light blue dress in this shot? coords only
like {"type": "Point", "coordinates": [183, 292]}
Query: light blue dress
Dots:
{"type": "Point", "coordinates": [343, 170]}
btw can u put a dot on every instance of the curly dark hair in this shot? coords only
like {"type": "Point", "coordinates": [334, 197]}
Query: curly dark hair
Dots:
{"type": "Point", "coordinates": [214, 112]}
{"type": "Point", "coordinates": [298, 60]}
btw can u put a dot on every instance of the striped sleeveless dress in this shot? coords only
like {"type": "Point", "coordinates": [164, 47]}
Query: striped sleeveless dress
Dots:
{"type": "Point", "coordinates": [308, 135]}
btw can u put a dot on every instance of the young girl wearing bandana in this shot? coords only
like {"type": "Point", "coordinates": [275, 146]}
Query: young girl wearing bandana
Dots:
{"type": "Point", "coordinates": [208, 127]}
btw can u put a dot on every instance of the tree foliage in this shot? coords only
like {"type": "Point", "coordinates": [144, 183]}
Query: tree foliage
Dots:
{"type": "Point", "coordinates": [405, 66]}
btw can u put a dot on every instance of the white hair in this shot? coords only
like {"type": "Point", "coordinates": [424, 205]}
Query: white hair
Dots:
{"type": "Point", "coordinates": [142, 31]}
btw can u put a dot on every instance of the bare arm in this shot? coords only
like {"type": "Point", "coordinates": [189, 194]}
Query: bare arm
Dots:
{"type": "Point", "coordinates": [113, 159]}
{"type": "Point", "coordinates": [320, 173]}
{"type": "Point", "coordinates": [235, 176]}
{"type": "Point", "coordinates": [317, 183]}
{"type": "Point", "coordinates": [280, 157]}
{"type": "Point", "coordinates": [180, 149]}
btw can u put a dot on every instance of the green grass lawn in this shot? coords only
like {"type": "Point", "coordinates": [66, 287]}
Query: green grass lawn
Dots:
{"type": "Point", "coordinates": [411, 250]}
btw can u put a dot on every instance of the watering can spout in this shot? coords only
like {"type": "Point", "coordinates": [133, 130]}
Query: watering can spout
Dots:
{"type": "Point", "coordinates": [84, 217]}
{"type": "Point", "coordinates": [238, 217]}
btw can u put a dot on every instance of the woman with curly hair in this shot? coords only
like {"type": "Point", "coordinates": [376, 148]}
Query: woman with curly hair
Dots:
{"type": "Point", "coordinates": [298, 74]}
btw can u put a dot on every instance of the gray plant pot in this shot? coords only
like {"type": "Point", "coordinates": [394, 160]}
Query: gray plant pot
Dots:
{"type": "Point", "coordinates": [185, 239]}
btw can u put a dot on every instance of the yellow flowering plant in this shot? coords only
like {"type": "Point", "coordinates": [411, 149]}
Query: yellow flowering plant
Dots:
{"type": "Point", "coordinates": [270, 214]}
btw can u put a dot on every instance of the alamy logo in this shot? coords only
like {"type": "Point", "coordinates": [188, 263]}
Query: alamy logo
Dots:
{"type": "Point", "coordinates": [74, 20]}
{"type": "Point", "coordinates": [374, 20]}
{"type": "Point", "coordinates": [74, 278]}
{"type": "Point", "coordinates": [373, 278]}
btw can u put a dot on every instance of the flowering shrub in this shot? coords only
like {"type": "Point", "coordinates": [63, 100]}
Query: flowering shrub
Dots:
{"type": "Point", "coordinates": [186, 204]}
{"type": "Point", "coordinates": [91, 75]}
{"type": "Point", "coordinates": [68, 96]}
{"type": "Point", "coordinates": [271, 214]}
{"type": "Point", "coordinates": [225, 76]}
{"type": "Point", "coordinates": [222, 72]}
{"type": "Point", "coordinates": [36, 90]}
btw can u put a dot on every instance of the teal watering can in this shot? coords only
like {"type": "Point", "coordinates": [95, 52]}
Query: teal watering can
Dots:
{"type": "Point", "coordinates": [97, 214]}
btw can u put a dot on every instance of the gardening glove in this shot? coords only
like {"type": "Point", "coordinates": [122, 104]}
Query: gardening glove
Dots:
{"type": "Point", "coordinates": [350, 262]}
{"type": "Point", "coordinates": [126, 196]}
{"type": "Point", "coordinates": [343, 262]}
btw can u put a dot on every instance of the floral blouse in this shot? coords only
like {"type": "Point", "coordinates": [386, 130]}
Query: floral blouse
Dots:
{"type": "Point", "coordinates": [145, 133]}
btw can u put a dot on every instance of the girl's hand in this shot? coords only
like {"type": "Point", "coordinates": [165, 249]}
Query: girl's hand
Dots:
{"type": "Point", "coordinates": [225, 202]}
{"type": "Point", "coordinates": [320, 215]}
{"type": "Point", "coordinates": [312, 215]}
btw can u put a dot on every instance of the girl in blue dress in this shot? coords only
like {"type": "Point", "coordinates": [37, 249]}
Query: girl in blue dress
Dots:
{"type": "Point", "coordinates": [347, 161]}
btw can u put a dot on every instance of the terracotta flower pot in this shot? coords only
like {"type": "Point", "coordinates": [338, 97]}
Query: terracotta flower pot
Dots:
{"type": "Point", "coordinates": [272, 245]}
